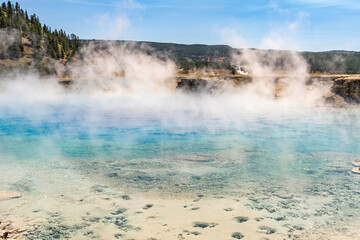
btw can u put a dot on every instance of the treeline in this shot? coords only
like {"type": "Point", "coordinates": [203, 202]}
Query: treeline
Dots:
{"type": "Point", "coordinates": [318, 62]}
{"type": "Point", "coordinates": [196, 56]}
{"type": "Point", "coordinates": [24, 35]}
{"type": "Point", "coordinates": [338, 62]}
{"type": "Point", "coordinates": [219, 56]}
{"type": "Point", "coordinates": [41, 38]}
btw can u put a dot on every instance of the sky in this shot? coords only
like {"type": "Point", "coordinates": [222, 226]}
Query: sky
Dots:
{"type": "Point", "coordinates": [305, 25]}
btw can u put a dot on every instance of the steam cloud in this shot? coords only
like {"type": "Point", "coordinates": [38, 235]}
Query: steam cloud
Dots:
{"type": "Point", "coordinates": [279, 74]}
{"type": "Point", "coordinates": [129, 77]}
{"type": "Point", "coordinates": [122, 69]}
{"type": "Point", "coordinates": [7, 38]}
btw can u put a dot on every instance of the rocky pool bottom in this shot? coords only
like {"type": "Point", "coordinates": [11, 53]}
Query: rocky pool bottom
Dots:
{"type": "Point", "coordinates": [192, 197]}
{"type": "Point", "coordinates": [119, 177]}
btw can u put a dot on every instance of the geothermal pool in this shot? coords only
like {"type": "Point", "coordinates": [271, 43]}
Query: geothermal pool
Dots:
{"type": "Point", "coordinates": [107, 170]}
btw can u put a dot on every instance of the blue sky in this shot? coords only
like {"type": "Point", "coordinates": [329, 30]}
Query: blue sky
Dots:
{"type": "Point", "coordinates": [311, 25]}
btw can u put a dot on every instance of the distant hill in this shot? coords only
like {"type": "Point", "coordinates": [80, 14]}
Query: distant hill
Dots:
{"type": "Point", "coordinates": [219, 56]}
{"type": "Point", "coordinates": [347, 62]}
{"type": "Point", "coordinates": [27, 43]}
{"type": "Point", "coordinates": [186, 56]}
{"type": "Point", "coordinates": [342, 51]}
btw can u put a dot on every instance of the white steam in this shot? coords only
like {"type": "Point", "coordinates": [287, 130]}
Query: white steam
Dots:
{"type": "Point", "coordinates": [121, 69]}
{"type": "Point", "coordinates": [135, 78]}
{"type": "Point", "coordinates": [7, 38]}
{"type": "Point", "coordinates": [277, 74]}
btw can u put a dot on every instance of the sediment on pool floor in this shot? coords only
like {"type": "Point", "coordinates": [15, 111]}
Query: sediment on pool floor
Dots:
{"type": "Point", "coordinates": [8, 230]}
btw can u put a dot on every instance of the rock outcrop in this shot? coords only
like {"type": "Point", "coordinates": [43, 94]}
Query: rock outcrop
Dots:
{"type": "Point", "coordinates": [348, 89]}
{"type": "Point", "coordinates": [210, 85]}
{"type": "Point", "coordinates": [198, 85]}
{"type": "Point", "coordinates": [344, 90]}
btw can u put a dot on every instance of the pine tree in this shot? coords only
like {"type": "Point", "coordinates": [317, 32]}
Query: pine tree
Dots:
{"type": "Point", "coordinates": [9, 9]}
{"type": "Point", "coordinates": [44, 41]}
{"type": "Point", "coordinates": [3, 23]}
{"type": "Point", "coordinates": [17, 8]}
{"type": "Point", "coordinates": [62, 53]}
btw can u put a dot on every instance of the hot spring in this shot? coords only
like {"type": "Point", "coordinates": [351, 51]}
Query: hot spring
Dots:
{"type": "Point", "coordinates": [122, 155]}
{"type": "Point", "coordinates": [118, 167]}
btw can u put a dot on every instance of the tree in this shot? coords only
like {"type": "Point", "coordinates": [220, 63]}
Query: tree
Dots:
{"type": "Point", "coordinates": [43, 40]}
{"type": "Point", "coordinates": [17, 8]}
{"type": "Point", "coordinates": [9, 9]}
{"type": "Point", "coordinates": [62, 53]}
{"type": "Point", "coordinates": [3, 23]}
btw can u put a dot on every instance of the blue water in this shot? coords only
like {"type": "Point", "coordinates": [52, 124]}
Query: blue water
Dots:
{"type": "Point", "coordinates": [256, 156]}
{"type": "Point", "coordinates": [77, 133]}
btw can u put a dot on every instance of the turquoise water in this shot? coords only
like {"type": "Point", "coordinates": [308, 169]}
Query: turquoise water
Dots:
{"type": "Point", "coordinates": [77, 132]}
{"type": "Point", "coordinates": [262, 157]}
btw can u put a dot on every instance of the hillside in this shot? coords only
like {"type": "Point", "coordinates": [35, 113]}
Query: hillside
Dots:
{"type": "Point", "coordinates": [219, 56]}
{"type": "Point", "coordinates": [26, 42]}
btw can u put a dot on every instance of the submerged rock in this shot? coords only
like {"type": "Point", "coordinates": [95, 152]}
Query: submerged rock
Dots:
{"type": "Point", "coordinates": [9, 231]}
{"type": "Point", "coordinates": [126, 197]}
{"type": "Point", "coordinates": [147, 206]}
{"type": "Point", "coordinates": [112, 175]}
{"type": "Point", "coordinates": [237, 235]}
{"type": "Point", "coordinates": [9, 195]}
{"type": "Point", "coordinates": [267, 230]}
{"type": "Point", "coordinates": [119, 211]}
{"type": "Point", "coordinates": [144, 178]}
{"type": "Point", "coordinates": [204, 225]}
{"type": "Point", "coordinates": [241, 219]}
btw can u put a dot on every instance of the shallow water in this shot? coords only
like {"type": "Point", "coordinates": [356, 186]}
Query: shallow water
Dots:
{"type": "Point", "coordinates": [77, 164]}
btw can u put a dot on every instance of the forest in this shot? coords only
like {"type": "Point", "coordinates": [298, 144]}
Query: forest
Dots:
{"type": "Point", "coordinates": [25, 39]}
{"type": "Point", "coordinates": [19, 30]}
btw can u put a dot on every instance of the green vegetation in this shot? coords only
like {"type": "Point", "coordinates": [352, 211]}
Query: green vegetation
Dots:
{"type": "Point", "coordinates": [24, 40]}
{"type": "Point", "coordinates": [219, 57]}
{"type": "Point", "coordinates": [337, 62]}
{"type": "Point", "coordinates": [40, 39]}
{"type": "Point", "coordinates": [196, 55]}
